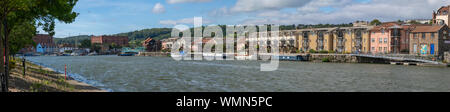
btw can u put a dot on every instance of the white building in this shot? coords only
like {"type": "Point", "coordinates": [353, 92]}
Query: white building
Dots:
{"type": "Point", "coordinates": [442, 16]}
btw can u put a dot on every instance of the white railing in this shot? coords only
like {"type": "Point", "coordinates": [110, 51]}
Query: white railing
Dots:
{"type": "Point", "coordinates": [398, 58]}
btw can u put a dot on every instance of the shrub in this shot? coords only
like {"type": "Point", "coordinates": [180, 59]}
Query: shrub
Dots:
{"type": "Point", "coordinates": [331, 51]}
{"type": "Point", "coordinates": [325, 60]}
{"type": "Point", "coordinates": [12, 64]}
{"type": "Point", "coordinates": [312, 51]}
{"type": "Point", "coordinates": [405, 51]}
{"type": "Point", "coordinates": [323, 52]}
{"type": "Point", "coordinates": [166, 50]}
{"type": "Point", "coordinates": [68, 51]}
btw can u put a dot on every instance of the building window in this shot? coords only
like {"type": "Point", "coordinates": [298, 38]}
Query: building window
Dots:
{"type": "Point", "coordinates": [423, 35]}
{"type": "Point", "coordinates": [415, 48]}
{"type": "Point", "coordinates": [373, 48]}
{"type": "Point", "coordinates": [379, 48]}
{"type": "Point", "coordinates": [380, 41]}
{"type": "Point", "coordinates": [385, 40]}
{"type": "Point", "coordinates": [385, 49]}
{"type": "Point", "coordinates": [373, 40]}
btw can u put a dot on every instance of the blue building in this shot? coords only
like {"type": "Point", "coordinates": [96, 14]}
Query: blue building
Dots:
{"type": "Point", "coordinates": [39, 48]}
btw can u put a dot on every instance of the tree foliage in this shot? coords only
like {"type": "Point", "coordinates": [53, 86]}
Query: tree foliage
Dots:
{"type": "Point", "coordinates": [72, 40]}
{"type": "Point", "coordinates": [86, 43]}
{"type": "Point", "coordinates": [21, 18]}
{"type": "Point", "coordinates": [375, 22]}
{"type": "Point", "coordinates": [413, 22]}
{"type": "Point", "coordinates": [155, 33]}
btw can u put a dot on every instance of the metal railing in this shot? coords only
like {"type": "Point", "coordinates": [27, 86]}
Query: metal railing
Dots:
{"type": "Point", "coordinates": [400, 57]}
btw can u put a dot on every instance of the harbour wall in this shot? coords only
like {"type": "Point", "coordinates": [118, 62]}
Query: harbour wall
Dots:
{"type": "Point", "coordinates": [154, 54]}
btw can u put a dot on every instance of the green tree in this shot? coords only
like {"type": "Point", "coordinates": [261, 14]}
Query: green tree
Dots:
{"type": "Point", "coordinates": [21, 37]}
{"type": "Point", "coordinates": [375, 22]}
{"type": "Point", "coordinates": [96, 47]}
{"type": "Point", "coordinates": [114, 46]}
{"type": "Point", "coordinates": [20, 18]}
{"type": "Point", "coordinates": [85, 43]}
{"type": "Point", "coordinates": [135, 43]}
{"type": "Point", "coordinates": [413, 22]}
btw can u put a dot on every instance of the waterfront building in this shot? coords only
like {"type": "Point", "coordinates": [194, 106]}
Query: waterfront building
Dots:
{"type": "Point", "coordinates": [151, 45]}
{"type": "Point", "coordinates": [430, 40]}
{"type": "Point", "coordinates": [168, 43]}
{"type": "Point", "coordinates": [338, 39]}
{"type": "Point", "coordinates": [109, 40]}
{"type": "Point", "coordinates": [44, 45]}
{"type": "Point", "coordinates": [66, 47]}
{"type": "Point", "coordinates": [442, 16]}
{"type": "Point", "coordinates": [39, 48]}
{"type": "Point", "coordinates": [352, 39]}
{"type": "Point", "coordinates": [318, 39]}
{"type": "Point", "coordinates": [204, 41]}
{"type": "Point", "coordinates": [390, 37]}
{"type": "Point", "coordinates": [421, 21]}
{"type": "Point", "coordinates": [288, 41]}
{"type": "Point", "coordinates": [110, 44]}
{"type": "Point", "coordinates": [361, 23]}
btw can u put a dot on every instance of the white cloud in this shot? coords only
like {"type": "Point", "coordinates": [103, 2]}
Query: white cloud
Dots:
{"type": "Point", "coordinates": [182, 21]}
{"type": "Point", "coordinates": [224, 11]}
{"type": "Point", "coordinates": [315, 5]}
{"type": "Point", "coordinates": [255, 5]}
{"type": "Point", "coordinates": [185, 1]}
{"type": "Point", "coordinates": [347, 11]}
{"type": "Point", "coordinates": [158, 8]}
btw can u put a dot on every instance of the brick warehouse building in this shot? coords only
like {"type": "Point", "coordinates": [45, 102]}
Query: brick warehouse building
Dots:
{"type": "Point", "coordinates": [44, 44]}
{"type": "Point", "coordinates": [429, 40]}
{"type": "Point", "coordinates": [152, 45]}
{"type": "Point", "coordinates": [108, 40]}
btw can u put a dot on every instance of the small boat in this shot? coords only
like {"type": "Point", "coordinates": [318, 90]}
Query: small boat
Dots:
{"type": "Point", "coordinates": [127, 54]}
{"type": "Point", "coordinates": [93, 54]}
{"type": "Point", "coordinates": [291, 58]}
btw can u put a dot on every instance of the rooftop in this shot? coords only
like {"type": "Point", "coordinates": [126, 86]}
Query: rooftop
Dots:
{"type": "Point", "coordinates": [423, 29]}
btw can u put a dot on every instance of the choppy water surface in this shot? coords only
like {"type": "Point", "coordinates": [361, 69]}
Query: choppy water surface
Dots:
{"type": "Point", "coordinates": [163, 74]}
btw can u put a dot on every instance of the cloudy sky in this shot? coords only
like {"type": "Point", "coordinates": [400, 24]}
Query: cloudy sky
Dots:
{"type": "Point", "coordinates": [99, 17]}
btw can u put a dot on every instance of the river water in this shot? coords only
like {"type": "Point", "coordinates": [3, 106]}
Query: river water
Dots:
{"type": "Point", "coordinates": [163, 74]}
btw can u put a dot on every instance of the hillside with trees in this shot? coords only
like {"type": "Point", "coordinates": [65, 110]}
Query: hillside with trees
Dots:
{"type": "Point", "coordinates": [72, 40]}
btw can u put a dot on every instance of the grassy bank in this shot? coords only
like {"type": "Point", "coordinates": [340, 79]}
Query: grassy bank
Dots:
{"type": "Point", "coordinates": [42, 79]}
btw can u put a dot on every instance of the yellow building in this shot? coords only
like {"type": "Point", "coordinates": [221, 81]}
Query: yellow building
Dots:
{"type": "Point", "coordinates": [318, 39]}
{"type": "Point", "coordinates": [352, 39]}
{"type": "Point", "coordinates": [288, 41]}
{"type": "Point", "coordinates": [340, 40]}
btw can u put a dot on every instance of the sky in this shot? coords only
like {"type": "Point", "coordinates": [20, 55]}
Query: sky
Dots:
{"type": "Point", "coordinates": [105, 17]}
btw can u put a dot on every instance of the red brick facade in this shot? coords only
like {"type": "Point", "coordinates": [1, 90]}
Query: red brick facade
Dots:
{"type": "Point", "coordinates": [46, 42]}
{"type": "Point", "coordinates": [152, 45]}
{"type": "Point", "coordinates": [118, 40]}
